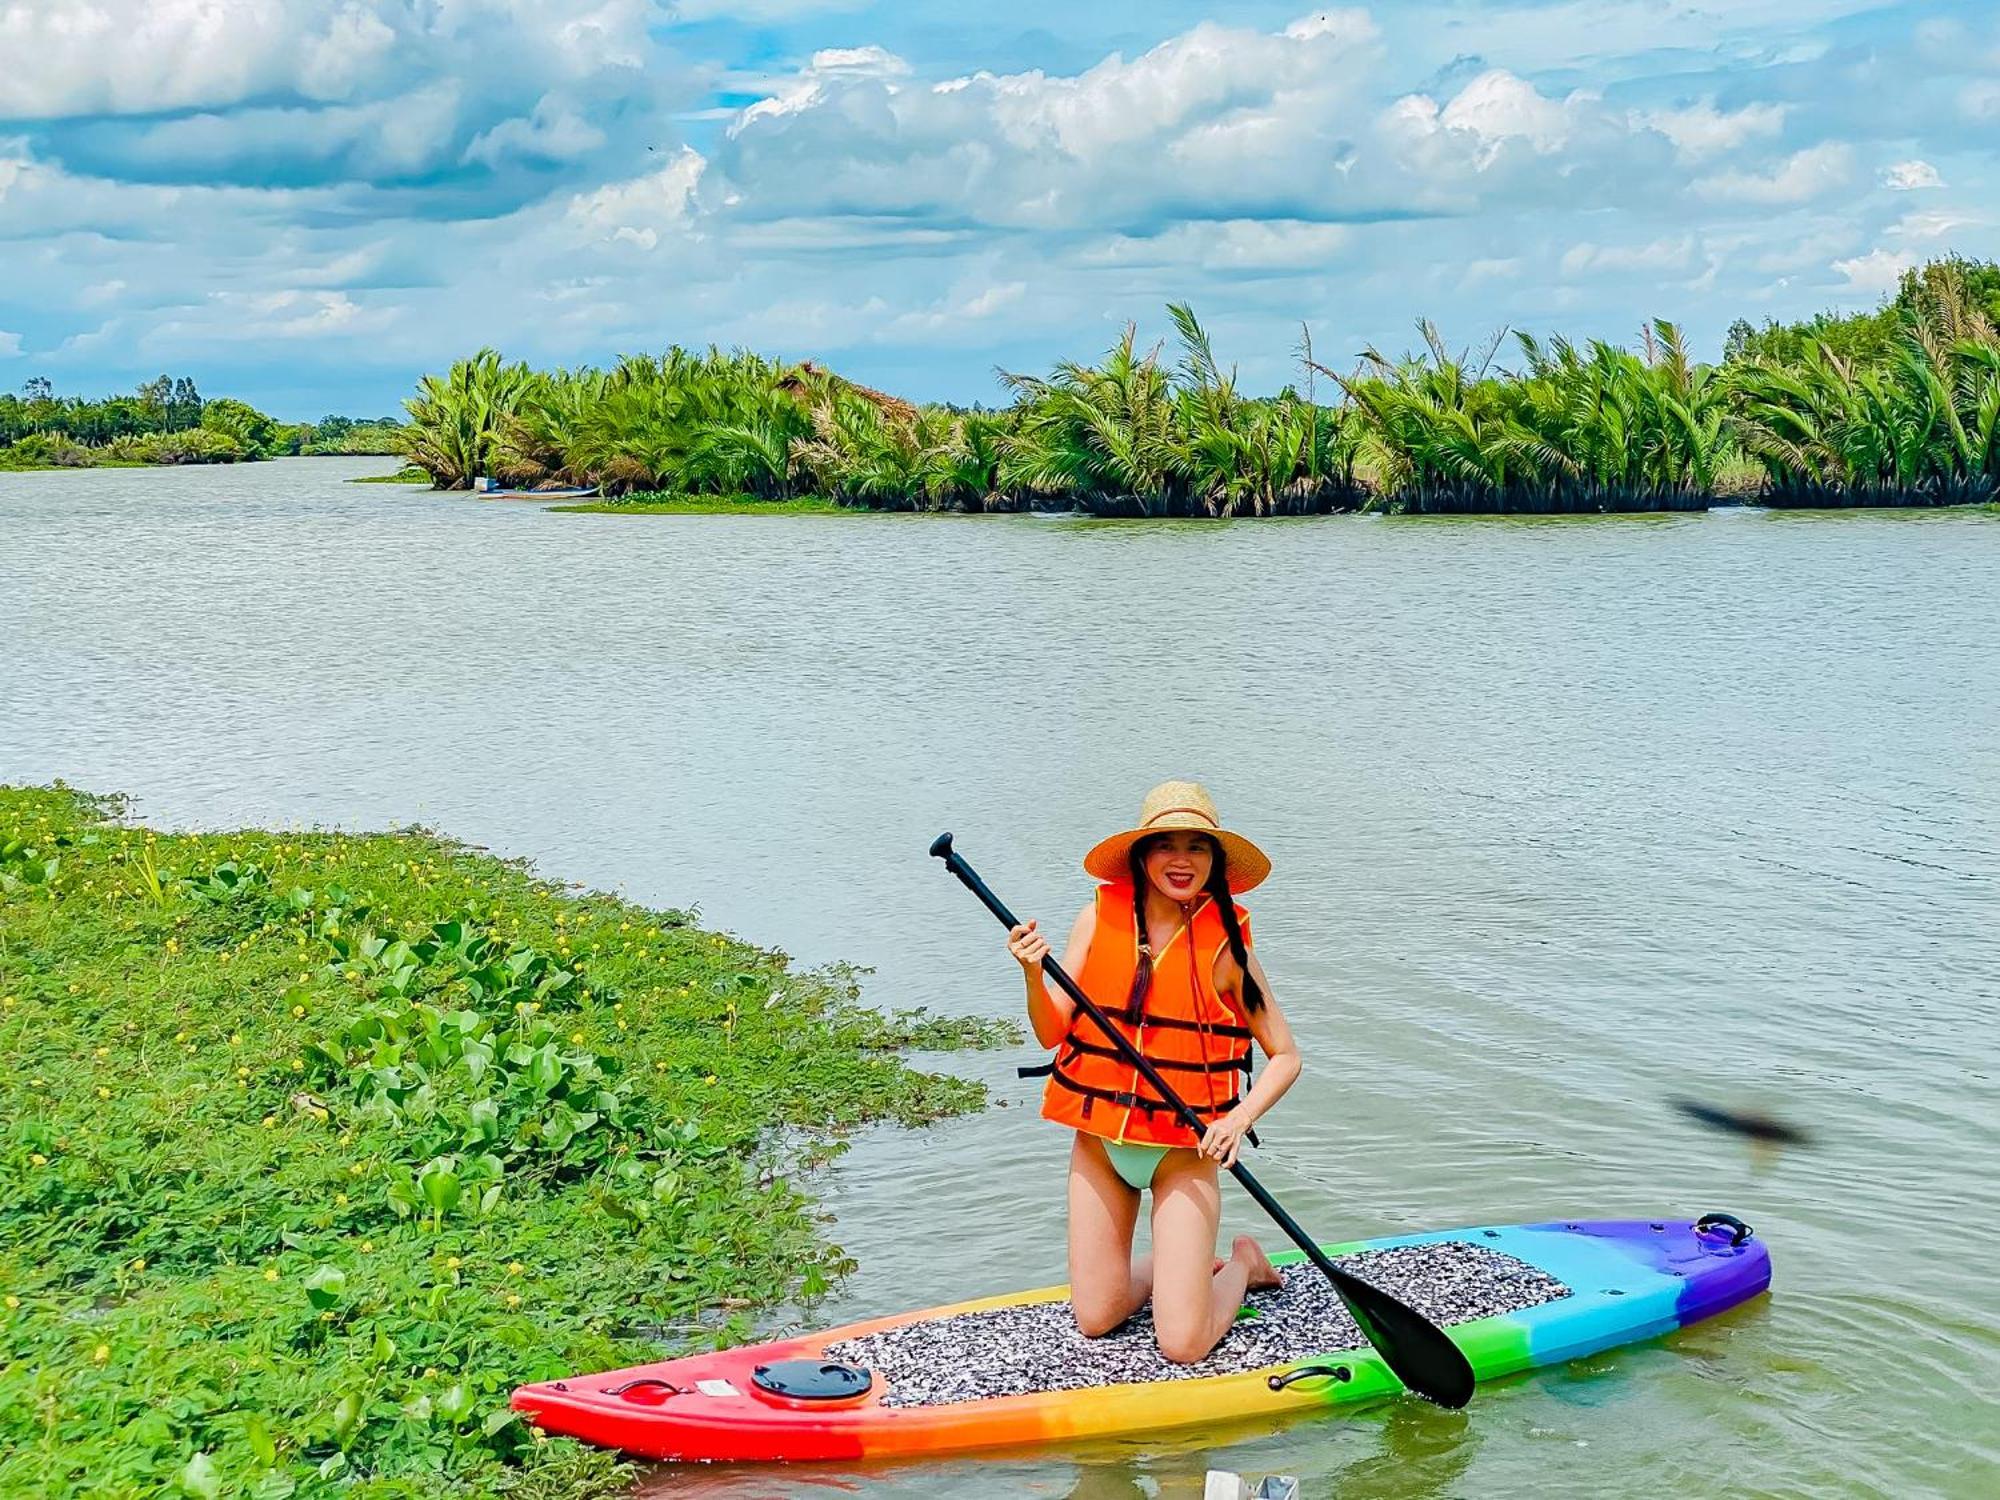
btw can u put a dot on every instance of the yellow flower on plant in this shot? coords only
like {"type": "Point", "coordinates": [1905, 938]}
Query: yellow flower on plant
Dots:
{"type": "Point", "coordinates": [367, 1247]}
{"type": "Point", "coordinates": [270, 1273]}
{"type": "Point", "coordinates": [515, 1268]}
{"type": "Point", "coordinates": [298, 1012]}
{"type": "Point", "coordinates": [103, 1092]}
{"type": "Point", "coordinates": [340, 1199]}
{"type": "Point", "coordinates": [270, 1121]}
{"type": "Point", "coordinates": [103, 1051]}
{"type": "Point", "coordinates": [13, 1302]}
{"type": "Point", "coordinates": [452, 1262]}
{"type": "Point", "coordinates": [139, 1264]}
{"type": "Point", "coordinates": [513, 1299]}
{"type": "Point", "coordinates": [298, 1065]}
{"type": "Point", "coordinates": [100, 1354]}
{"type": "Point", "coordinates": [235, 1038]}
{"type": "Point", "coordinates": [38, 1159]}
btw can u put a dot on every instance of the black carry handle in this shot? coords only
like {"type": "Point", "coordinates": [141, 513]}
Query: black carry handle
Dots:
{"type": "Point", "coordinates": [1420, 1353]}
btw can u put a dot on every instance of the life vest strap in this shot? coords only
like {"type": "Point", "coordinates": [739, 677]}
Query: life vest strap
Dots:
{"type": "Point", "coordinates": [1133, 1101]}
{"type": "Point", "coordinates": [1174, 1023]}
{"type": "Point", "coordinates": [1223, 1065]}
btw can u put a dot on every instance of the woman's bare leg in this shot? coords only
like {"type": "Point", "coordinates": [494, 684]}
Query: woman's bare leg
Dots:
{"type": "Point", "coordinates": [1105, 1286]}
{"type": "Point", "coordinates": [1193, 1303]}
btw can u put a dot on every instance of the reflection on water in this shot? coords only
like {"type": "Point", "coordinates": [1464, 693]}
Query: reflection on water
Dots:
{"type": "Point", "coordinates": [1570, 819]}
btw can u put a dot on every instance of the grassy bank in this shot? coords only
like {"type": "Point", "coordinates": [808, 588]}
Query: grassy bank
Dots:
{"type": "Point", "coordinates": [1903, 409]}
{"type": "Point", "coordinates": [656, 503]}
{"type": "Point", "coordinates": [317, 1144]}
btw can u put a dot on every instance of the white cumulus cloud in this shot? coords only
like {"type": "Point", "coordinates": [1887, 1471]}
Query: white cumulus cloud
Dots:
{"type": "Point", "coordinates": [1910, 176]}
{"type": "Point", "coordinates": [148, 56]}
{"type": "Point", "coordinates": [1801, 177]}
{"type": "Point", "coordinates": [1216, 118]}
{"type": "Point", "coordinates": [1674, 253]}
{"type": "Point", "coordinates": [1877, 271]}
{"type": "Point", "coordinates": [1700, 131]}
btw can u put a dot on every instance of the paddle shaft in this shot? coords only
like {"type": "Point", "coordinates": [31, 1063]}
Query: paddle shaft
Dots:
{"type": "Point", "coordinates": [956, 864]}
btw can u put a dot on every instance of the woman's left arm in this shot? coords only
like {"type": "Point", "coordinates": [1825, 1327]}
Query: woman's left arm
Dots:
{"type": "Point", "coordinates": [1224, 1139]}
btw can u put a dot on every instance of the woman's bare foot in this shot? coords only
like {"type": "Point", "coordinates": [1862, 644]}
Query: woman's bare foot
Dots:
{"type": "Point", "coordinates": [1252, 1258]}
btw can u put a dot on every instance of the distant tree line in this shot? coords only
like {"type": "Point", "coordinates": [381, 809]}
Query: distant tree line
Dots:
{"type": "Point", "coordinates": [1869, 337]}
{"type": "Point", "coordinates": [167, 420]}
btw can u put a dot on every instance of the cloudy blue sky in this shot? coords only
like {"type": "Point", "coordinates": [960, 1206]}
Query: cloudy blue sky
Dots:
{"type": "Point", "coordinates": [307, 202]}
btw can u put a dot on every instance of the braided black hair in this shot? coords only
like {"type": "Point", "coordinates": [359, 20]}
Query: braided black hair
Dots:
{"type": "Point", "coordinates": [1225, 906]}
{"type": "Point", "coordinates": [1142, 977]}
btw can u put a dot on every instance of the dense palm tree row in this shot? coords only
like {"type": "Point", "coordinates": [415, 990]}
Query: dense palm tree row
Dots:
{"type": "Point", "coordinates": [1592, 428]}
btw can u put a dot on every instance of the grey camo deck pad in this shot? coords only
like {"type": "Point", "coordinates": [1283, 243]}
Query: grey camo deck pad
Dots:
{"type": "Point", "coordinates": [1009, 1351]}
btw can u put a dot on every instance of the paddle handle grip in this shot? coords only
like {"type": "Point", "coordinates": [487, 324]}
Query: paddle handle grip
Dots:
{"type": "Point", "coordinates": [969, 877]}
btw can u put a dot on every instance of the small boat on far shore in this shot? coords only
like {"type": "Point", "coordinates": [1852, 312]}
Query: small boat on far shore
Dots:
{"type": "Point", "coordinates": [487, 489]}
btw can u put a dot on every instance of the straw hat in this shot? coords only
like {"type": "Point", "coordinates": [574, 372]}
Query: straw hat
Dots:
{"type": "Point", "coordinates": [1174, 805]}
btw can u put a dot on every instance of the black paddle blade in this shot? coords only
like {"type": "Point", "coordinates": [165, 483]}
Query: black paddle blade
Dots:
{"type": "Point", "coordinates": [1422, 1354]}
{"type": "Point", "coordinates": [1752, 1123]}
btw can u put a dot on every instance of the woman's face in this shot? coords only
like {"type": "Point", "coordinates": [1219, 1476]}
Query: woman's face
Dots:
{"type": "Point", "coordinates": [1178, 864]}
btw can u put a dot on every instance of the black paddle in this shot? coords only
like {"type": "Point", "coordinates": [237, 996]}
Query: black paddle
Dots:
{"type": "Point", "coordinates": [1423, 1357]}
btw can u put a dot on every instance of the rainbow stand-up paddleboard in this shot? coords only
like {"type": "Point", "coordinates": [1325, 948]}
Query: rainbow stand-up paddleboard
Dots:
{"type": "Point", "coordinates": [1013, 1369]}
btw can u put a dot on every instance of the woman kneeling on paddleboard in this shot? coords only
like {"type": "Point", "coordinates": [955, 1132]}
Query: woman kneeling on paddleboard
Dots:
{"type": "Point", "coordinates": [1164, 951]}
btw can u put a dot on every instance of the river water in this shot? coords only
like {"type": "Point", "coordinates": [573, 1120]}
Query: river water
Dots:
{"type": "Point", "coordinates": [1570, 817]}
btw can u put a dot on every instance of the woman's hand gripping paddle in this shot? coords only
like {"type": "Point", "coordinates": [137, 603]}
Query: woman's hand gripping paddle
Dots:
{"type": "Point", "coordinates": [1423, 1357]}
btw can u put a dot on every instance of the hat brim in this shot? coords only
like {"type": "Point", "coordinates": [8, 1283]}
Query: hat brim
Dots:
{"type": "Point", "coordinates": [1247, 865]}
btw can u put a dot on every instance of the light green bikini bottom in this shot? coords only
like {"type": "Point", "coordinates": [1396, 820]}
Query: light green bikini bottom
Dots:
{"type": "Point", "coordinates": [1135, 1162]}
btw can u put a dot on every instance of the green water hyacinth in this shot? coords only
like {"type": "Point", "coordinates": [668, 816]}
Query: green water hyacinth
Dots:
{"type": "Point", "coordinates": [315, 1145]}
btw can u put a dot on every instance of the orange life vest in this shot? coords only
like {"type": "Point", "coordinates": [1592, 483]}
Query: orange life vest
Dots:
{"type": "Point", "coordinates": [1198, 1038]}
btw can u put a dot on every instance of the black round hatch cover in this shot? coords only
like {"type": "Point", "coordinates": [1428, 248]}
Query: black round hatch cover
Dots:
{"type": "Point", "coordinates": [812, 1379]}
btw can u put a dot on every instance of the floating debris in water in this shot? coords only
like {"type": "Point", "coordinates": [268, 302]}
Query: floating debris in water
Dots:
{"type": "Point", "coordinates": [1010, 1351]}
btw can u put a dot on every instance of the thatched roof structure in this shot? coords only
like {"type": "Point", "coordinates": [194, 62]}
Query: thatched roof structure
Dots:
{"type": "Point", "coordinates": [890, 406]}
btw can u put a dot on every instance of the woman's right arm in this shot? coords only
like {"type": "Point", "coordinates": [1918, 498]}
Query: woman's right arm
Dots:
{"type": "Point", "coordinates": [1048, 1014]}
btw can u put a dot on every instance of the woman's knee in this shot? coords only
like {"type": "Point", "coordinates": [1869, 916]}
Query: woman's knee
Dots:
{"type": "Point", "coordinates": [1095, 1322]}
{"type": "Point", "coordinates": [1182, 1342]}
